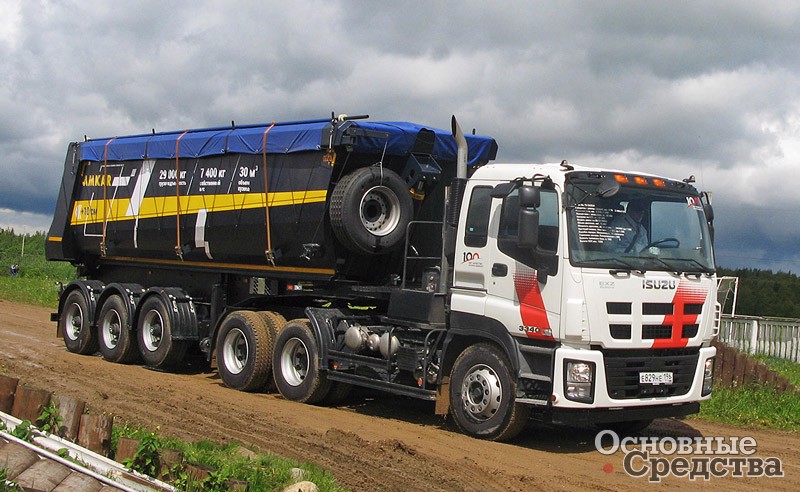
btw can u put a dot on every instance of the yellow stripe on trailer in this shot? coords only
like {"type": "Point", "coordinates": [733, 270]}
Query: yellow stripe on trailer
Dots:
{"type": "Point", "coordinates": [113, 210]}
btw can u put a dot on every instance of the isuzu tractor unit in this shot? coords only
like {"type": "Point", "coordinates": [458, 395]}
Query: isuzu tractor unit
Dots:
{"type": "Point", "coordinates": [336, 252]}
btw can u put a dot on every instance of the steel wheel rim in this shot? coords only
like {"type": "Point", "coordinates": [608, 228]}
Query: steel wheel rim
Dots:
{"type": "Point", "coordinates": [74, 321]}
{"type": "Point", "coordinates": [481, 392]}
{"type": "Point", "coordinates": [294, 362]}
{"type": "Point", "coordinates": [235, 350]}
{"type": "Point", "coordinates": [380, 211]}
{"type": "Point", "coordinates": [111, 327]}
{"type": "Point", "coordinates": [152, 330]}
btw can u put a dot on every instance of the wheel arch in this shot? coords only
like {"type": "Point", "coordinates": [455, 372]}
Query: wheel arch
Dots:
{"type": "Point", "coordinates": [322, 327]}
{"type": "Point", "coordinates": [180, 309]}
{"type": "Point", "coordinates": [91, 290]}
{"type": "Point", "coordinates": [469, 329]}
{"type": "Point", "coordinates": [130, 293]}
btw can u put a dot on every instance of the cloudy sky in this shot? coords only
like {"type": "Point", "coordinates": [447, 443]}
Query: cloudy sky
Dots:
{"type": "Point", "coordinates": [710, 88]}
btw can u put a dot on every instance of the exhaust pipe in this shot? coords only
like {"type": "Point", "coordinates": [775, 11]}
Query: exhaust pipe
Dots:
{"type": "Point", "coordinates": [461, 143]}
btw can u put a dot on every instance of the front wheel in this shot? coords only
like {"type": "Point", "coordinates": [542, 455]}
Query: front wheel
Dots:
{"type": "Point", "coordinates": [296, 364]}
{"type": "Point", "coordinates": [483, 395]}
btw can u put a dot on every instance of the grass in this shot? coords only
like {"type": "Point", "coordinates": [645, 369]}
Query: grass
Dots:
{"type": "Point", "coordinates": [757, 405]}
{"type": "Point", "coordinates": [259, 471]}
{"type": "Point", "coordinates": [30, 290]}
{"type": "Point", "coordinates": [753, 406]}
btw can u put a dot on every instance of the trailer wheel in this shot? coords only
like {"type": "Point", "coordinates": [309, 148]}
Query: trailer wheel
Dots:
{"type": "Point", "coordinates": [482, 395]}
{"type": "Point", "coordinates": [154, 329]}
{"type": "Point", "coordinates": [114, 331]}
{"type": "Point", "coordinates": [244, 349]}
{"type": "Point", "coordinates": [75, 324]}
{"type": "Point", "coordinates": [296, 364]}
{"type": "Point", "coordinates": [370, 209]}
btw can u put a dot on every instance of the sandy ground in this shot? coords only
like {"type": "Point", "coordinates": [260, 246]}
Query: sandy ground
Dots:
{"type": "Point", "coordinates": [371, 442]}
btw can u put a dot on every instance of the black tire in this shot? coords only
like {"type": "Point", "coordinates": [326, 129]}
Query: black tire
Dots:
{"type": "Point", "coordinates": [275, 323]}
{"type": "Point", "coordinates": [244, 351]}
{"type": "Point", "coordinates": [483, 393]}
{"type": "Point", "coordinates": [76, 325]}
{"type": "Point", "coordinates": [154, 329]}
{"type": "Point", "coordinates": [296, 364]}
{"type": "Point", "coordinates": [370, 209]}
{"type": "Point", "coordinates": [114, 333]}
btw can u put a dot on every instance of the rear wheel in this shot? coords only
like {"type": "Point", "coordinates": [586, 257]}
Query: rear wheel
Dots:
{"type": "Point", "coordinates": [75, 325]}
{"type": "Point", "coordinates": [156, 344]}
{"type": "Point", "coordinates": [296, 364]}
{"type": "Point", "coordinates": [244, 351]}
{"type": "Point", "coordinates": [114, 331]}
{"type": "Point", "coordinates": [483, 393]}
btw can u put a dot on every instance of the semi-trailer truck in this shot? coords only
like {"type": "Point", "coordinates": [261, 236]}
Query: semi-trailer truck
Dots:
{"type": "Point", "coordinates": [311, 256]}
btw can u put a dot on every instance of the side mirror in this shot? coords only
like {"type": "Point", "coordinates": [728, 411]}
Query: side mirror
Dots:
{"type": "Point", "coordinates": [529, 197]}
{"type": "Point", "coordinates": [709, 211]}
{"type": "Point", "coordinates": [528, 233]}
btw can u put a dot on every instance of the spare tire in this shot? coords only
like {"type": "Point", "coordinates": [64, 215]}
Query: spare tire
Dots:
{"type": "Point", "coordinates": [370, 209]}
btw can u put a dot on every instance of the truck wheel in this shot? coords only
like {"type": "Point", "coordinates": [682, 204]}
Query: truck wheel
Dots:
{"type": "Point", "coordinates": [114, 331]}
{"type": "Point", "coordinates": [296, 364]}
{"type": "Point", "coordinates": [275, 323]}
{"type": "Point", "coordinates": [482, 395]}
{"type": "Point", "coordinates": [154, 329]}
{"type": "Point", "coordinates": [75, 324]}
{"type": "Point", "coordinates": [244, 349]}
{"type": "Point", "coordinates": [370, 209]}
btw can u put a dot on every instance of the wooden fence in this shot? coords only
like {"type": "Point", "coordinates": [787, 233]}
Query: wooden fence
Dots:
{"type": "Point", "coordinates": [92, 431]}
{"type": "Point", "coordinates": [733, 369]}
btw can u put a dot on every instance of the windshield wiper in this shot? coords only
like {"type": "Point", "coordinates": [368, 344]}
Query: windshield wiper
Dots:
{"type": "Point", "coordinates": [701, 269]}
{"type": "Point", "coordinates": [629, 267]}
{"type": "Point", "coordinates": [663, 262]}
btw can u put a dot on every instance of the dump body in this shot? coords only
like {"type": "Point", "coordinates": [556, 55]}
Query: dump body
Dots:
{"type": "Point", "coordinates": [197, 198]}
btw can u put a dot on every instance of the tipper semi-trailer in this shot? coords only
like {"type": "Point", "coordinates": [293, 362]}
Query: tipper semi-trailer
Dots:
{"type": "Point", "coordinates": [329, 253]}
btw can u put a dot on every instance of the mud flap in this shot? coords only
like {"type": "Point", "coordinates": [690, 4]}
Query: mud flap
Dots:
{"type": "Point", "coordinates": [443, 397]}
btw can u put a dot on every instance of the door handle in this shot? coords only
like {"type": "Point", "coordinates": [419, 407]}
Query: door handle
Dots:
{"type": "Point", "coordinates": [499, 270]}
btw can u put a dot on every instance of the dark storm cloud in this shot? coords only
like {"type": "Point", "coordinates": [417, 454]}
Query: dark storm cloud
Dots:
{"type": "Point", "coordinates": [706, 88]}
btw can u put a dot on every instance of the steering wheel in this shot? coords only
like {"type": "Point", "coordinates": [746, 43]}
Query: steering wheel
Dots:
{"type": "Point", "coordinates": [667, 242]}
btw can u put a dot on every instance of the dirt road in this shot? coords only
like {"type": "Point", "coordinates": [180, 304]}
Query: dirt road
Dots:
{"type": "Point", "coordinates": [372, 442]}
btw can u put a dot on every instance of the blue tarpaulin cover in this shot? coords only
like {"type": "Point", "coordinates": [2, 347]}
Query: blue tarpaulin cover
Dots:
{"type": "Point", "coordinates": [283, 138]}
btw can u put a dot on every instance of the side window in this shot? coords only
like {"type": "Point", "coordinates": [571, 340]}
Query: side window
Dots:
{"type": "Point", "coordinates": [477, 227]}
{"type": "Point", "coordinates": [548, 227]}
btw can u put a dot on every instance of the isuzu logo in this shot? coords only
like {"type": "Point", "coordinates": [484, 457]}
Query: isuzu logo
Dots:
{"type": "Point", "coordinates": [659, 284]}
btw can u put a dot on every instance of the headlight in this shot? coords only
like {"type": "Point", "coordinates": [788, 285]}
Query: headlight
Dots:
{"type": "Point", "coordinates": [579, 381]}
{"type": "Point", "coordinates": [708, 377]}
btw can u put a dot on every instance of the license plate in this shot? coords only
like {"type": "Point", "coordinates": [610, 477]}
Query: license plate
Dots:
{"type": "Point", "coordinates": [655, 378]}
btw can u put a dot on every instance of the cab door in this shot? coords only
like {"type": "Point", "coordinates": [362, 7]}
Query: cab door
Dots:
{"type": "Point", "coordinates": [523, 284]}
{"type": "Point", "coordinates": [472, 265]}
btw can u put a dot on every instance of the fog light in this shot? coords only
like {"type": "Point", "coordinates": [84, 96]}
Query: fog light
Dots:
{"type": "Point", "coordinates": [708, 377]}
{"type": "Point", "coordinates": [579, 381]}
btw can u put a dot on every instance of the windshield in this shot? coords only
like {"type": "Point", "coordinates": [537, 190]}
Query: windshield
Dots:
{"type": "Point", "coordinates": [638, 229]}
